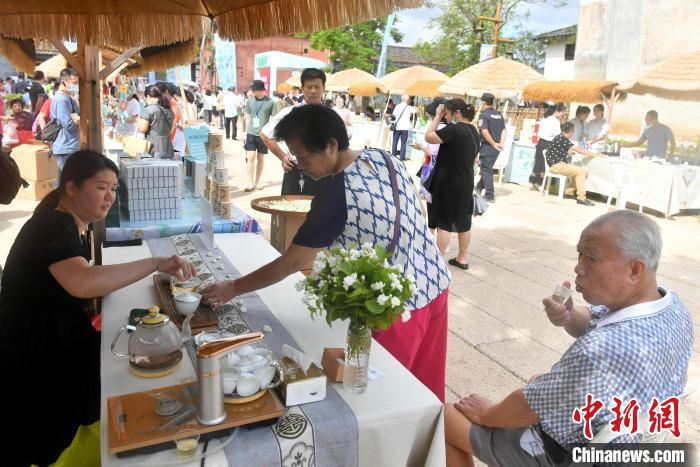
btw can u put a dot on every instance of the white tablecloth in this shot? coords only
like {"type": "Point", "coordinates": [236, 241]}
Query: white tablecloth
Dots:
{"type": "Point", "coordinates": [400, 421]}
{"type": "Point", "coordinates": [662, 187]}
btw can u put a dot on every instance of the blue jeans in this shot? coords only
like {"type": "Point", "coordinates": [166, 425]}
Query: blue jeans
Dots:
{"type": "Point", "coordinates": [403, 134]}
{"type": "Point", "coordinates": [60, 162]}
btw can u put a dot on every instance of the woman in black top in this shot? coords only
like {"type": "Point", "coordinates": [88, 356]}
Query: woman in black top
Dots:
{"type": "Point", "coordinates": [453, 182]}
{"type": "Point", "coordinates": [49, 350]}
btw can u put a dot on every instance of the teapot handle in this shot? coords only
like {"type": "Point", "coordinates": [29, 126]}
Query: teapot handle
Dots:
{"type": "Point", "coordinates": [280, 373]}
{"type": "Point", "coordinates": [114, 342]}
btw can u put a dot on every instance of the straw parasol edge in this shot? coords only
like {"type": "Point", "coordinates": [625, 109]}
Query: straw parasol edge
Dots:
{"type": "Point", "coordinates": [501, 77]}
{"type": "Point", "coordinates": [425, 88]}
{"type": "Point", "coordinates": [588, 91]}
{"type": "Point", "coordinates": [159, 58]}
{"type": "Point", "coordinates": [397, 81]}
{"type": "Point", "coordinates": [20, 53]}
{"type": "Point", "coordinates": [365, 89]}
{"type": "Point", "coordinates": [677, 78]}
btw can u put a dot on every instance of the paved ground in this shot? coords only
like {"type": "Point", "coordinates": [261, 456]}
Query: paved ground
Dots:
{"type": "Point", "coordinates": [524, 245]}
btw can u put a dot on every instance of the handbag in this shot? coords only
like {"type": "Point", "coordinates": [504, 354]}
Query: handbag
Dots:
{"type": "Point", "coordinates": [49, 133]}
{"type": "Point", "coordinates": [479, 204]}
{"type": "Point", "coordinates": [392, 127]}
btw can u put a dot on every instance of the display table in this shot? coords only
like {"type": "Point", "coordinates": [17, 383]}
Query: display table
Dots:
{"type": "Point", "coordinates": [400, 421]}
{"type": "Point", "coordinates": [520, 162]}
{"type": "Point", "coordinates": [663, 187]}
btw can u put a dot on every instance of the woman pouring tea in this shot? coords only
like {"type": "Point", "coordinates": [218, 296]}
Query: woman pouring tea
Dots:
{"type": "Point", "coordinates": [49, 350]}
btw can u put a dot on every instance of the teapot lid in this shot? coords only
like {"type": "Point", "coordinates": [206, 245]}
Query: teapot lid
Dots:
{"type": "Point", "coordinates": [154, 317]}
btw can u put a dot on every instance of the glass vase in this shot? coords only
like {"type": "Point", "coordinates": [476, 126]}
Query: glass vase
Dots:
{"type": "Point", "coordinates": [359, 339]}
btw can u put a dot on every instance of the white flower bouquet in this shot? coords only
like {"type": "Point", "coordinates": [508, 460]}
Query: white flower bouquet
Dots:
{"type": "Point", "coordinates": [357, 284]}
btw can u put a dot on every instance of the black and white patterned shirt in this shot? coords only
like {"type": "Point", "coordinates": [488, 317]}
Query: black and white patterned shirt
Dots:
{"type": "Point", "coordinates": [558, 150]}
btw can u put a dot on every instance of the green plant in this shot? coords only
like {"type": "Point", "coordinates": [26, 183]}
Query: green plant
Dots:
{"type": "Point", "coordinates": [12, 95]}
{"type": "Point", "coordinates": [357, 284]}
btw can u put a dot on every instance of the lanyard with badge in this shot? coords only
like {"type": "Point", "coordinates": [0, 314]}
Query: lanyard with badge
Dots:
{"type": "Point", "coordinates": [256, 119]}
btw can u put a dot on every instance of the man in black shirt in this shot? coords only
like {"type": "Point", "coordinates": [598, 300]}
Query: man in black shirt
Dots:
{"type": "Point", "coordinates": [558, 156]}
{"type": "Point", "coordinates": [493, 136]}
{"type": "Point", "coordinates": [35, 88]}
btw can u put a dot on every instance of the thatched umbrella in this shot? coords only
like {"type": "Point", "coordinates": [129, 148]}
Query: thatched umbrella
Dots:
{"type": "Point", "coordinates": [295, 80]}
{"type": "Point", "coordinates": [425, 88]}
{"type": "Point", "coordinates": [341, 81]}
{"type": "Point", "coordinates": [284, 88]}
{"type": "Point", "coordinates": [501, 77]}
{"type": "Point", "coordinates": [399, 80]}
{"type": "Point", "coordinates": [366, 89]}
{"type": "Point", "coordinates": [588, 91]}
{"type": "Point", "coordinates": [675, 78]}
{"type": "Point", "coordinates": [19, 52]}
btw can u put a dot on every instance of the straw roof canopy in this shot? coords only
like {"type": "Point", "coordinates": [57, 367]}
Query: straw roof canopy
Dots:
{"type": "Point", "coordinates": [674, 78]}
{"type": "Point", "coordinates": [19, 52]}
{"type": "Point", "coordinates": [399, 80]}
{"type": "Point", "coordinates": [501, 77]}
{"type": "Point", "coordinates": [366, 89]}
{"type": "Point", "coordinates": [162, 57]}
{"type": "Point", "coordinates": [341, 81]}
{"type": "Point", "coordinates": [589, 91]}
{"type": "Point", "coordinates": [130, 23]}
{"type": "Point", "coordinates": [425, 88]}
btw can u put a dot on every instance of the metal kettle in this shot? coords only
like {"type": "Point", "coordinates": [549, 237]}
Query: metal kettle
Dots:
{"type": "Point", "coordinates": [210, 362]}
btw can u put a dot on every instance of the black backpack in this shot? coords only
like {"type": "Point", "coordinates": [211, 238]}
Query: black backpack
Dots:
{"type": "Point", "coordinates": [10, 179]}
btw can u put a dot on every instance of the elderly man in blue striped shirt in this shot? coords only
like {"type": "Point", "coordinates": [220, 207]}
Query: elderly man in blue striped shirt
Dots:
{"type": "Point", "coordinates": [633, 343]}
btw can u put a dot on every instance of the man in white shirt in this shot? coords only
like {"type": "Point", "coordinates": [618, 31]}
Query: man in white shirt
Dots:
{"type": "Point", "coordinates": [597, 129]}
{"type": "Point", "coordinates": [294, 182]}
{"type": "Point", "coordinates": [403, 113]}
{"type": "Point", "coordinates": [133, 111]}
{"type": "Point", "coordinates": [232, 105]}
{"type": "Point", "coordinates": [208, 103]}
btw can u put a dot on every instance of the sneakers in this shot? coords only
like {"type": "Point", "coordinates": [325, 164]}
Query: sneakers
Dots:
{"type": "Point", "coordinates": [585, 202]}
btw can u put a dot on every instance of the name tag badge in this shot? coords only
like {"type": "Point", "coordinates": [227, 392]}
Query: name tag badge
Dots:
{"type": "Point", "coordinates": [256, 122]}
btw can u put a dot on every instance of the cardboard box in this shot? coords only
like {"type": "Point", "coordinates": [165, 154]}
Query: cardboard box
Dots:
{"type": "Point", "coordinates": [333, 362]}
{"type": "Point", "coordinates": [34, 163]}
{"type": "Point", "coordinates": [302, 388]}
{"type": "Point", "coordinates": [37, 189]}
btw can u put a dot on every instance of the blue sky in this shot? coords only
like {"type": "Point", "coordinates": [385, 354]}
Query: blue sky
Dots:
{"type": "Point", "coordinates": [414, 24]}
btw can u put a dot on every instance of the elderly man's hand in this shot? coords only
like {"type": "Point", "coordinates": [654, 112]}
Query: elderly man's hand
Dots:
{"type": "Point", "coordinates": [288, 163]}
{"type": "Point", "coordinates": [474, 407]}
{"type": "Point", "coordinates": [559, 314]}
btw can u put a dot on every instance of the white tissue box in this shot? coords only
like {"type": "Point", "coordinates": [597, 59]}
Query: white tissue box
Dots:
{"type": "Point", "coordinates": [301, 387]}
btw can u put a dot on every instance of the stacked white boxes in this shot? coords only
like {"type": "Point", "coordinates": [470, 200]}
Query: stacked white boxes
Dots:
{"type": "Point", "coordinates": [151, 190]}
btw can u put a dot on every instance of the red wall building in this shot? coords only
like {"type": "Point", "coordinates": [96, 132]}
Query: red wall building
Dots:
{"type": "Point", "coordinates": [245, 55]}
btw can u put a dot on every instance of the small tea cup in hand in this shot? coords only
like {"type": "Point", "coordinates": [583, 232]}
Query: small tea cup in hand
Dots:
{"type": "Point", "coordinates": [187, 303]}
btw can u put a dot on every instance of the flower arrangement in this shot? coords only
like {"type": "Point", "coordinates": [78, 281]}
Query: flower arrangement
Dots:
{"type": "Point", "coordinates": [357, 284]}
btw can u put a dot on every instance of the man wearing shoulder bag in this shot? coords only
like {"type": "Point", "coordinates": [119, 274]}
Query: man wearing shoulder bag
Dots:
{"type": "Point", "coordinates": [401, 125]}
{"type": "Point", "coordinates": [65, 109]}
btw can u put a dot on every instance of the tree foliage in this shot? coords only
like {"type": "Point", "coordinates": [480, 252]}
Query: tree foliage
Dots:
{"type": "Point", "coordinates": [354, 46]}
{"type": "Point", "coordinates": [457, 45]}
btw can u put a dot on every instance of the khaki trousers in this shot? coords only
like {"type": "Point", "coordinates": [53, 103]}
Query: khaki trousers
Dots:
{"type": "Point", "coordinates": [576, 172]}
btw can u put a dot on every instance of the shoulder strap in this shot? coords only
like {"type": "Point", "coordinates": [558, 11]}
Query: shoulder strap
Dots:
{"type": "Point", "coordinates": [397, 203]}
{"type": "Point", "coordinates": [402, 111]}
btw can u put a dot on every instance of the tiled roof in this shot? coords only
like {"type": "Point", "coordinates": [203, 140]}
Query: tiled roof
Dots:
{"type": "Point", "coordinates": [563, 32]}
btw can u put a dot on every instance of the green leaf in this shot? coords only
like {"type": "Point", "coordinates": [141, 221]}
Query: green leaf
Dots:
{"type": "Point", "coordinates": [374, 307]}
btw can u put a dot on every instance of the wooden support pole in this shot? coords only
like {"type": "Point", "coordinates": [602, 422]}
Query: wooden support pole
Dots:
{"type": "Point", "coordinates": [117, 62]}
{"type": "Point", "coordinates": [496, 28]}
{"type": "Point", "coordinates": [75, 62]}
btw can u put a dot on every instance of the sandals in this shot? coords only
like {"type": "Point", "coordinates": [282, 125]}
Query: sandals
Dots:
{"type": "Point", "coordinates": [249, 189]}
{"type": "Point", "coordinates": [457, 264]}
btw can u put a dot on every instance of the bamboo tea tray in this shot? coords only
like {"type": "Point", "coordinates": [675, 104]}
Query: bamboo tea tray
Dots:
{"type": "Point", "coordinates": [133, 422]}
{"type": "Point", "coordinates": [204, 319]}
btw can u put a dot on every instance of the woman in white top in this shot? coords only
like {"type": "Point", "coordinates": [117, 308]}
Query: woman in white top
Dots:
{"type": "Point", "coordinates": [344, 113]}
{"type": "Point", "coordinates": [550, 127]}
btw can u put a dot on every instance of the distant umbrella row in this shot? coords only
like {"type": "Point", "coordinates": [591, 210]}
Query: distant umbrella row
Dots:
{"type": "Point", "coordinates": [675, 78]}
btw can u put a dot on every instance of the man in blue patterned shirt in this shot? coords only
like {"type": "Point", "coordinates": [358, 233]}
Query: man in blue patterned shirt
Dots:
{"type": "Point", "coordinates": [634, 343]}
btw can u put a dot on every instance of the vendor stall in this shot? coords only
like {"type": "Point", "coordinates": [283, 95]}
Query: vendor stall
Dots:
{"type": "Point", "coordinates": [390, 430]}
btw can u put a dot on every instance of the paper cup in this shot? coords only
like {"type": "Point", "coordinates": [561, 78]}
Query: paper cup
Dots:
{"type": "Point", "coordinates": [224, 193]}
{"type": "Point", "coordinates": [222, 176]}
{"type": "Point", "coordinates": [225, 210]}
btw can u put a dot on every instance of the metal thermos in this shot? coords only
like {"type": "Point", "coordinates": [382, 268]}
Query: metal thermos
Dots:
{"type": "Point", "coordinates": [210, 363]}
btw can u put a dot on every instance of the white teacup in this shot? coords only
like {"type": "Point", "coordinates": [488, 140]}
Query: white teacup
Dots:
{"type": "Point", "coordinates": [248, 385]}
{"type": "Point", "coordinates": [231, 378]}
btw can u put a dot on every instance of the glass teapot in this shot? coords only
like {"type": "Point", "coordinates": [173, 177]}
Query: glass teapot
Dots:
{"type": "Point", "coordinates": [155, 345]}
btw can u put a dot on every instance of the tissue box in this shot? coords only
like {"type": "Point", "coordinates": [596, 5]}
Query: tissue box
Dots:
{"type": "Point", "coordinates": [302, 388]}
{"type": "Point", "coordinates": [331, 365]}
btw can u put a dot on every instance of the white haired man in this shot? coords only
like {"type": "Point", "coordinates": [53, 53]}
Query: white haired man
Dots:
{"type": "Point", "coordinates": [633, 343]}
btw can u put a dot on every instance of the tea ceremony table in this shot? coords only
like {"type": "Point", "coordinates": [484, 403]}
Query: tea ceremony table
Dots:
{"type": "Point", "coordinates": [400, 422]}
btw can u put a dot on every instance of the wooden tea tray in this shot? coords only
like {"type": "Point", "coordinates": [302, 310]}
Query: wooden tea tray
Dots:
{"type": "Point", "coordinates": [204, 318]}
{"type": "Point", "coordinates": [134, 424]}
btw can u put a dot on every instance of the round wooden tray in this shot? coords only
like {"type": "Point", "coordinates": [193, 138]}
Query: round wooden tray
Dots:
{"type": "Point", "coordinates": [235, 399]}
{"type": "Point", "coordinates": [154, 373]}
{"type": "Point", "coordinates": [255, 204]}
